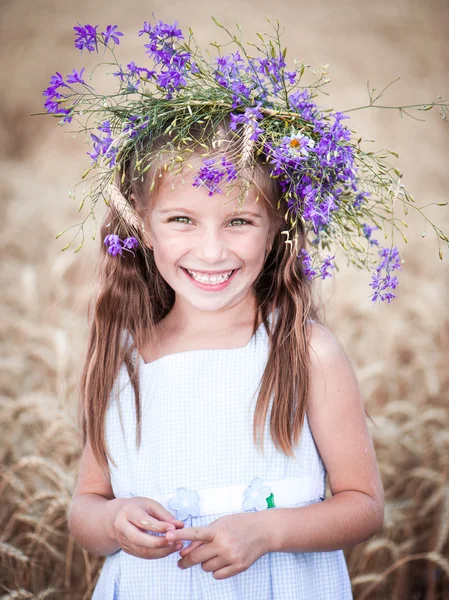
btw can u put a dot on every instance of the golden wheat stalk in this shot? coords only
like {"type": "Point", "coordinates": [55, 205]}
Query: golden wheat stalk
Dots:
{"type": "Point", "coordinates": [247, 145]}
{"type": "Point", "coordinates": [119, 203]}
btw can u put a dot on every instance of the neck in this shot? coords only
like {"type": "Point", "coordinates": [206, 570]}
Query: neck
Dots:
{"type": "Point", "coordinates": [190, 320]}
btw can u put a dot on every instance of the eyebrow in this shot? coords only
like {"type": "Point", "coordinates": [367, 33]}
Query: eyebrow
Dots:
{"type": "Point", "coordinates": [186, 210]}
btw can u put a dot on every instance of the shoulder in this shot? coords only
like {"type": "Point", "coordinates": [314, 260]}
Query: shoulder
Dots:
{"type": "Point", "coordinates": [336, 414]}
{"type": "Point", "coordinates": [334, 390]}
{"type": "Point", "coordinates": [325, 349]}
{"type": "Point", "coordinates": [333, 379]}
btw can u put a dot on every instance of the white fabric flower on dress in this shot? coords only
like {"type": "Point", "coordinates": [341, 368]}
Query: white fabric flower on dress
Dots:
{"type": "Point", "coordinates": [256, 495]}
{"type": "Point", "coordinates": [186, 502]}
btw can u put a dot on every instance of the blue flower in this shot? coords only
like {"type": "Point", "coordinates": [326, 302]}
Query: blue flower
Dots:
{"type": "Point", "coordinates": [210, 175]}
{"type": "Point", "coordinates": [186, 502]}
{"type": "Point", "coordinates": [76, 77]}
{"type": "Point", "coordinates": [367, 231]}
{"type": "Point", "coordinates": [256, 495]}
{"type": "Point", "coordinates": [111, 33]}
{"type": "Point", "coordinates": [130, 243]}
{"type": "Point", "coordinates": [86, 37]}
{"type": "Point", "coordinates": [390, 261]}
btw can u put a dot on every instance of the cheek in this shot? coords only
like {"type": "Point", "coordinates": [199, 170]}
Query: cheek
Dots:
{"type": "Point", "coordinates": [170, 244]}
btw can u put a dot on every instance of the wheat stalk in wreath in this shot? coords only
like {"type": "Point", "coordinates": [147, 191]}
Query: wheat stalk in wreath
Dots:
{"type": "Point", "coordinates": [124, 210]}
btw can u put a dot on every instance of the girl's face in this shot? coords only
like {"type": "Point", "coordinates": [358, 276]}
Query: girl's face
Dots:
{"type": "Point", "coordinates": [208, 255]}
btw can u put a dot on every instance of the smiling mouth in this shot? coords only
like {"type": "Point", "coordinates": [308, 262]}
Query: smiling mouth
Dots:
{"type": "Point", "coordinates": [210, 279]}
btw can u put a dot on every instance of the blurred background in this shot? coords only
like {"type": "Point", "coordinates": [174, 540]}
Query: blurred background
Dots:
{"type": "Point", "coordinates": [400, 351]}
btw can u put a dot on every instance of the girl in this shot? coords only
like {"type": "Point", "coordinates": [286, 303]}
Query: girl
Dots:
{"type": "Point", "coordinates": [204, 342]}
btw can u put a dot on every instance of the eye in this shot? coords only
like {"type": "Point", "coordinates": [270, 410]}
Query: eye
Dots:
{"type": "Point", "coordinates": [176, 221]}
{"type": "Point", "coordinates": [244, 221]}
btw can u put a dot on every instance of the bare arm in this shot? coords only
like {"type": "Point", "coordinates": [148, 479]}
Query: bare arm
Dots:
{"type": "Point", "coordinates": [337, 420]}
{"type": "Point", "coordinates": [92, 507]}
{"type": "Point", "coordinates": [103, 524]}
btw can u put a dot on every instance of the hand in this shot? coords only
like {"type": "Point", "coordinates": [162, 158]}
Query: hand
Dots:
{"type": "Point", "coordinates": [227, 546]}
{"type": "Point", "coordinates": [126, 518]}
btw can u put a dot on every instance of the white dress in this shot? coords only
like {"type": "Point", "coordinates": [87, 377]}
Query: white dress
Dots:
{"type": "Point", "coordinates": [197, 414]}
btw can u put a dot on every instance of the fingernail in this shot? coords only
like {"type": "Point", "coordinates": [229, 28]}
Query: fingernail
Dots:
{"type": "Point", "coordinates": [169, 535]}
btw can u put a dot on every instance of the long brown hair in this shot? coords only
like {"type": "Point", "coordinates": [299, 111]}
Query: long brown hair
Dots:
{"type": "Point", "coordinates": [133, 297]}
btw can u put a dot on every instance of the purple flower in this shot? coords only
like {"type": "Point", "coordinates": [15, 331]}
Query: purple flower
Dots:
{"type": "Point", "coordinates": [133, 75]}
{"type": "Point", "coordinates": [115, 249]}
{"type": "Point", "coordinates": [112, 238]}
{"type": "Point", "coordinates": [103, 145]}
{"type": "Point", "coordinates": [390, 260]}
{"type": "Point", "coordinates": [172, 61]}
{"type": "Point", "coordinates": [135, 124]}
{"type": "Point", "coordinates": [291, 76]}
{"type": "Point", "coordinates": [249, 117]}
{"type": "Point", "coordinates": [116, 245]}
{"type": "Point", "coordinates": [76, 77]}
{"type": "Point", "coordinates": [161, 41]}
{"type": "Point", "coordinates": [360, 197]}
{"type": "Point", "coordinates": [367, 230]}
{"type": "Point", "coordinates": [307, 263]}
{"type": "Point", "coordinates": [86, 37]}
{"type": "Point", "coordinates": [52, 93]}
{"type": "Point", "coordinates": [171, 80]}
{"type": "Point", "coordinates": [301, 101]}
{"type": "Point", "coordinates": [211, 176]}
{"type": "Point", "coordinates": [272, 69]}
{"type": "Point", "coordinates": [327, 265]}
{"type": "Point", "coordinates": [230, 169]}
{"type": "Point", "coordinates": [111, 34]}
{"type": "Point", "coordinates": [57, 80]}
{"type": "Point", "coordinates": [130, 242]}
{"type": "Point", "coordinates": [161, 30]}
{"type": "Point", "coordinates": [230, 73]}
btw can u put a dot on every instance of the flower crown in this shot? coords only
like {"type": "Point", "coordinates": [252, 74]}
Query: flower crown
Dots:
{"type": "Point", "coordinates": [338, 192]}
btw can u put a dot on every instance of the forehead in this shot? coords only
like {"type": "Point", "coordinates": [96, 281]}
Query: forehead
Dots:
{"type": "Point", "coordinates": [175, 193]}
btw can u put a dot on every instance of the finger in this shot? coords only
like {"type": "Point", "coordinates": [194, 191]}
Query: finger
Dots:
{"type": "Point", "coordinates": [204, 534]}
{"type": "Point", "coordinates": [224, 573]}
{"type": "Point", "coordinates": [189, 548]}
{"type": "Point", "coordinates": [143, 520]}
{"type": "Point", "coordinates": [214, 564]}
{"type": "Point", "coordinates": [157, 510]}
{"type": "Point", "coordinates": [200, 555]}
{"type": "Point", "coordinates": [149, 554]}
{"type": "Point", "coordinates": [133, 536]}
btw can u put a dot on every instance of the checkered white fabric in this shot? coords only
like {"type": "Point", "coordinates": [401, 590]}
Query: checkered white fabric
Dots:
{"type": "Point", "coordinates": [197, 414]}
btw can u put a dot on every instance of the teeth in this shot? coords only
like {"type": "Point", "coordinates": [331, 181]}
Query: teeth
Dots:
{"type": "Point", "coordinates": [210, 279]}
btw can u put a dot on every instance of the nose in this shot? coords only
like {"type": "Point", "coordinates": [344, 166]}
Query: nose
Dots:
{"type": "Point", "coordinates": [211, 247]}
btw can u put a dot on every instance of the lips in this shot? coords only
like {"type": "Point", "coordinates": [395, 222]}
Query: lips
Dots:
{"type": "Point", "coordinates": [214, 282]}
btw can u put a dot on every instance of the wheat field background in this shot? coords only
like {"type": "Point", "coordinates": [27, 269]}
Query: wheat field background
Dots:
{"type": "Point", "coordinates": [400, 351]}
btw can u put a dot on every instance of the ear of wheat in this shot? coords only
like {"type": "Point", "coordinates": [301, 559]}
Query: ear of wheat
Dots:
{"type": "Point", "coordinates": [119, 203]}
{"type": "Point", "coordinates": [247, 146]}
